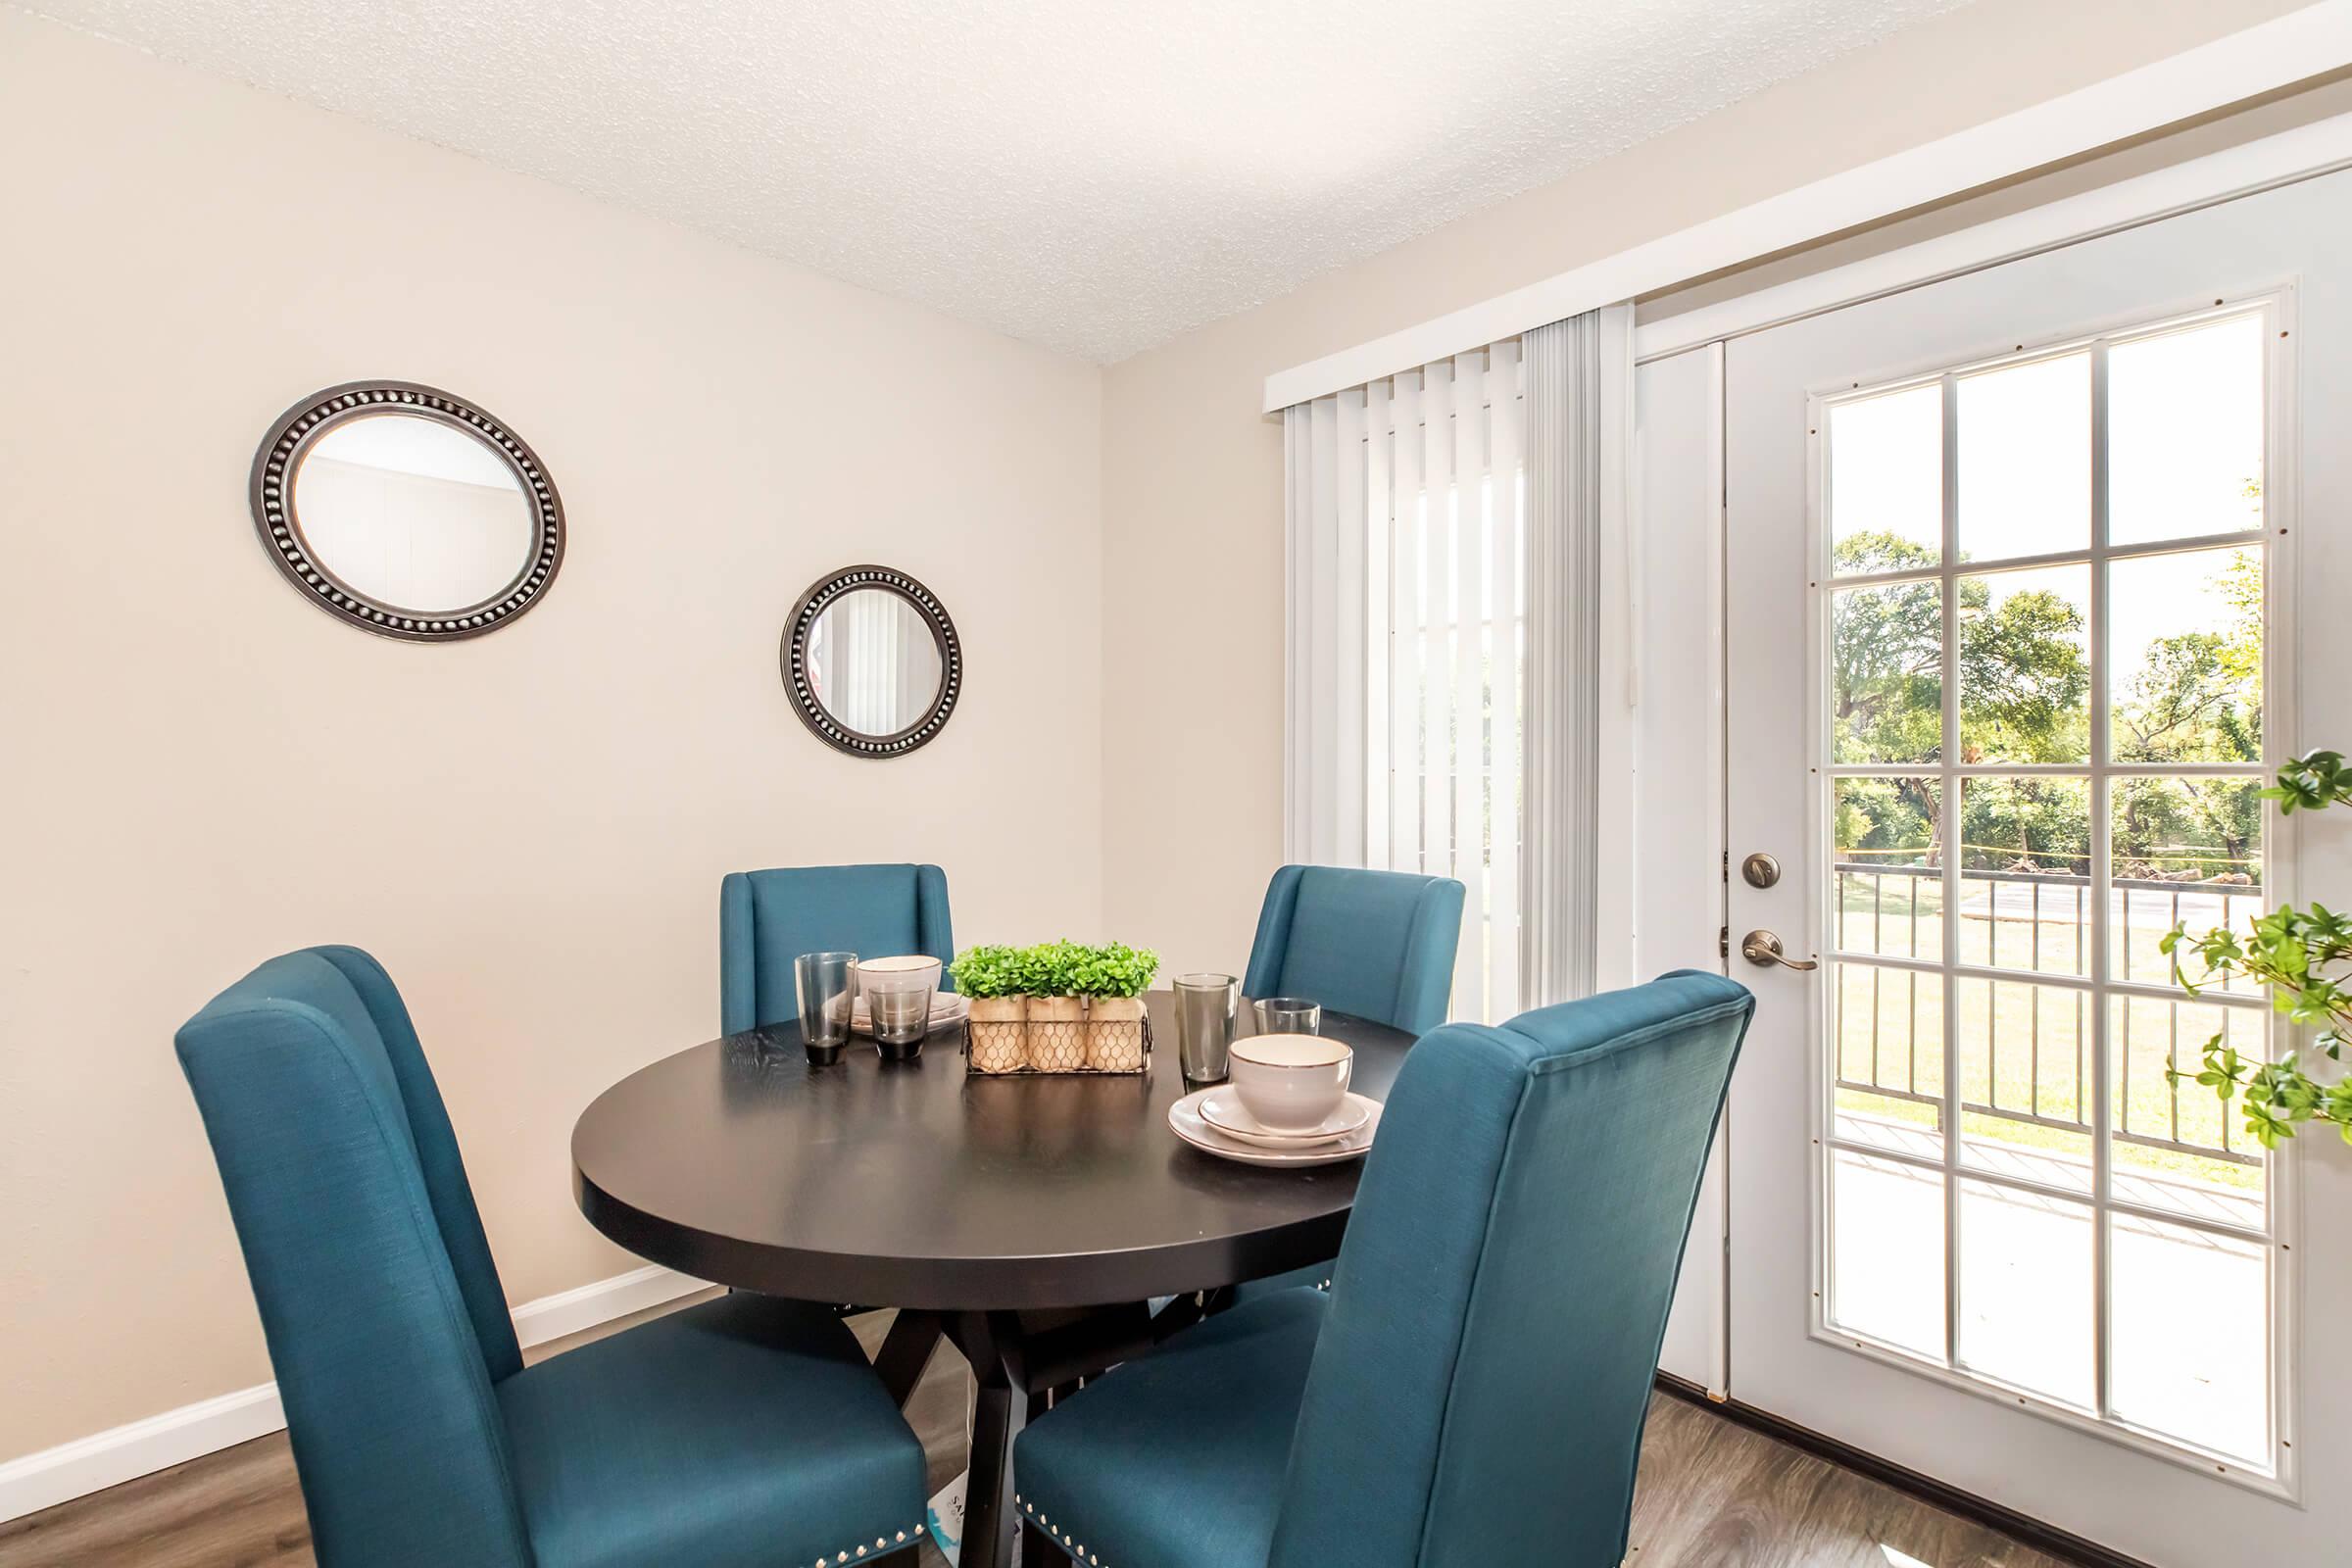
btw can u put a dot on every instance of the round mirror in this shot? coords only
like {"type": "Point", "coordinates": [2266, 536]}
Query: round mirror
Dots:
{"type": "Point", "coordinates": [407, 511]}
{"type": "Point", "coordinates": [872, 661]}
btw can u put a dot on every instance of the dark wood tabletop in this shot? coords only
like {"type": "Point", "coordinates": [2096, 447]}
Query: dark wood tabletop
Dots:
{"type": "Point", "coordinates": [926, 1186]}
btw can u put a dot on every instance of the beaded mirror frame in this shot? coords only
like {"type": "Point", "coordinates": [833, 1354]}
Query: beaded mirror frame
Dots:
{"type": "Point", "coordinates": [279, 525]}
{"type": "Point", "coordinates": [794, 659]}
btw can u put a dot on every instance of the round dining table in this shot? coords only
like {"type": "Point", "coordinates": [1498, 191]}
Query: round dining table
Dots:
{"type": "Point", "coordinates": [1027, 1219]}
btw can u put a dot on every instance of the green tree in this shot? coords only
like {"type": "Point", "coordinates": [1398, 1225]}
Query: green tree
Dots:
{"type": "Point", "coordinates": [2043, 821]}
{"type": "Point", "coordinates": [2188, 703]}
{"type": "Point", "coordinates": [2023, 674]}
{"type": "Point", "coordinates": [2197, 695]}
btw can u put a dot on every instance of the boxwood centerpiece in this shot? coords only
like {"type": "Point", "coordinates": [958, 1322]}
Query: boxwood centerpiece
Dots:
{"type": "Point", "coordinates": [1058, 1007]}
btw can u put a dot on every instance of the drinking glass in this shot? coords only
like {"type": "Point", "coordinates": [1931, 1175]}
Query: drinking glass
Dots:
{"type": "Point", "coordinates": [898, 999]}
{"type": "Point", "coordinates": [1207, 1005]}
{"type": "Point", "coordinates": [1289, 1015]}
{"type": "Point", "coordinates": [827, 981]}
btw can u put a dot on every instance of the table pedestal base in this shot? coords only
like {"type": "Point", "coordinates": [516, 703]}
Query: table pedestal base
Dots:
{"type": "Point", "coordinates": [1021, 1362]}
{"type": "Point", "coordinates": [992, 1343]}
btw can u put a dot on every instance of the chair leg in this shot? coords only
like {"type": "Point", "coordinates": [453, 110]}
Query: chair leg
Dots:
{"type": "Point", "coordinates": [1042, 1400]}
{"type": "Point", "coordinates": [1185, 1310]}
{"type": "Point", "coordinates": [1039, 1549]}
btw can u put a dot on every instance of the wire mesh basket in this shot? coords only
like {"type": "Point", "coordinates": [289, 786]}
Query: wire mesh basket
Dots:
{"type": "Point", "coordinates": [1071, 1039]}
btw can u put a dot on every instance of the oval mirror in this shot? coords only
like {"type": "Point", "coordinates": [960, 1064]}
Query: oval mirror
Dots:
{"type": "Point", "coordinates": [872, 663]}
{"type": "Point", "coordinates": [407, 511]}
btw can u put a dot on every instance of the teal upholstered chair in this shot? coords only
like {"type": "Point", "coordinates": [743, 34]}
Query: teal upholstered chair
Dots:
{"type": "Point", "coordinates": [742, 1432]}
{"type": "Point", "coordinates": [1377, 943]}
{"type": "Point", "coordinates": [769, 918]}
{"type": "Point", "coordinates": [1474, 1389]}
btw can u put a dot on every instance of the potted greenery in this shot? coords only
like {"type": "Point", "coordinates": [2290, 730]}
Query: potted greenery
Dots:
{"type": "Point", "coordinates": [1113, 979]}
{"type": "Point", "coordinates": [1056, 1012]}
{"type": "Point", "coordinates": [992, 980]}
{"type": "Point", "coordinates": [2292, 951]}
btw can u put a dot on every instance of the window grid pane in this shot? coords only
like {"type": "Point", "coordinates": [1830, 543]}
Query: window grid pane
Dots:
{"type": "Point", "coordinates": [2066, 757]}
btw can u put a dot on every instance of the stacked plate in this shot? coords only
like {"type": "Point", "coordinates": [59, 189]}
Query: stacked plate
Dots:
{"type": "Point", "coordinates": [948, 1009]}
{"type": "Point", "coordinates": [1213, 1121]}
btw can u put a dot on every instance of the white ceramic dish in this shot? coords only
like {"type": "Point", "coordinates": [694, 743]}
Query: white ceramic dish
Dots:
{"type": "Point", "coordinates": [899, 973]}
{"type": "Point", "coordinates": [1291, 1083]}
{"type": "Point", "coordinates": [1223, 1109]}
{"type": "Point", "coordinates": [1184, 1119]}
{"type": "Point", "coordinates": [946, 1009]}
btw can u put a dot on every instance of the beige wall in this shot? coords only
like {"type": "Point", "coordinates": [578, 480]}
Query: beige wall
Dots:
{"type": "Point", "coordinates": [1192, 472]}
{"type": "Point", "coordinates": [202, 770]}
{"type": "Point", "coordinates": [529, 830]}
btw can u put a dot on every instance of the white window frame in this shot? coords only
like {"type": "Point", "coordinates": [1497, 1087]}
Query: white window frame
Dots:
{"type": "Point", "coordinates": [2282, 1232]}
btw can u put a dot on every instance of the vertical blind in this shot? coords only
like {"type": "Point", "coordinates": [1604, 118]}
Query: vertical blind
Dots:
{"type": "Point", "coordinates": [1577, 386]}
{"type": "Point", "coordinates": [1407, 645]}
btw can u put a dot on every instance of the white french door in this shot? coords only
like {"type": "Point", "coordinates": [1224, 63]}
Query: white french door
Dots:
{"type": "Point", "coordinates": [2010, 652]}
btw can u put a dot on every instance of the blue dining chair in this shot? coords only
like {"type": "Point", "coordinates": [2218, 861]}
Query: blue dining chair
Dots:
{"type": "Point", "coordinates": [742, 1432]}
{"type": "Point", "coordinates": [769, 918]}
{"type": "Point", "coordinates": [1377, 943]}
{"type": "Point", "coordinates": [1473, 1390]}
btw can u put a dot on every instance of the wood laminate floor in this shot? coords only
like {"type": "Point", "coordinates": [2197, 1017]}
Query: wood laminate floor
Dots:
{"type": "Point", "coordinates": [1712, 1494]}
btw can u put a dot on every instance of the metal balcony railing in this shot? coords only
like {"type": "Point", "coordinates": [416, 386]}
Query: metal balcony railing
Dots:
{"type": "Point", "coordinates": [2048, 903]}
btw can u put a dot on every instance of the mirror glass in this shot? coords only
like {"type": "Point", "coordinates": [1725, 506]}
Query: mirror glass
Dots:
{"type": "Point", "coordinates": [413, 513]}
{"type": "Point", "coordinates": [875, 662]}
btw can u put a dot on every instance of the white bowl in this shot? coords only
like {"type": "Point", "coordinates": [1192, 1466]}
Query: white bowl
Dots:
{"type": "Point", "coordinates": [1291, 1081]}
{"type": "Point", "coordinates": [912, 972]}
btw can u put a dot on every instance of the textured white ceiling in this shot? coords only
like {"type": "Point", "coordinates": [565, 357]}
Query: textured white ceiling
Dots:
{"type": "Point", "coordinates": [1096, 175]}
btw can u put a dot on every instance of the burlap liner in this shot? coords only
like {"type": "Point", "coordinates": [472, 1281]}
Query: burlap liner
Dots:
{"type": "Point", "coordinates": [1057, 1034]}
{"type": "Point", "coordinates": [999, 1028]}
{"type": "Point", "coordinates": [1115, 1033]}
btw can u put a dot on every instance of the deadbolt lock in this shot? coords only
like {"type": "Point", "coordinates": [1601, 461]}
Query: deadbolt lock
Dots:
{"type": "Point", "coordinates": [1760, 870]}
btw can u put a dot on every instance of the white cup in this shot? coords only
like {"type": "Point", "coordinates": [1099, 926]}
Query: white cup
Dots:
{"type": "Point", "coordinates": [1291, 1083]}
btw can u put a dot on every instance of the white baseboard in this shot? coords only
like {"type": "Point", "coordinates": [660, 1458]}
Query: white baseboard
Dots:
{"type": "Point", "coordinates": [123, 1453]}
{"type": "Point", "coordinates": [552, 1318]}
{"type": "Point", "coordinates": [103, 1459]}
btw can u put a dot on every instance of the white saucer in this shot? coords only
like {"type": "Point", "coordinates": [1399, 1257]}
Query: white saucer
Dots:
{"type": "Point", "coordinates": [1185, 1121]}
{"type": "Point", "coordinates": [1222, 1108]}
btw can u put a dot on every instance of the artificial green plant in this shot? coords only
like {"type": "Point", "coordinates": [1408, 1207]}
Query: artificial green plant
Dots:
{"type": "Point", "coordinates": [1056, 969]}
{"type": "Point", "coordinates": [1113, 969]}
{"type": "Point", "coordinates": [2298, 954]}
{"type": "Point", "coordinates": [987, 972]}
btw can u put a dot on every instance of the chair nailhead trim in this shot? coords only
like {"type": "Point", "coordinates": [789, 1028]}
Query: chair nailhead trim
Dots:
{"type": "Point", "coordinates": [861, 1549]}
{"type": "Point", "coordinates": [1077, 1549]}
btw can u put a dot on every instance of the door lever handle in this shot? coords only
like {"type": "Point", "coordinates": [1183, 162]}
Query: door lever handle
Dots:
{"type": "Point", "coordinates": [1763, 949]}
